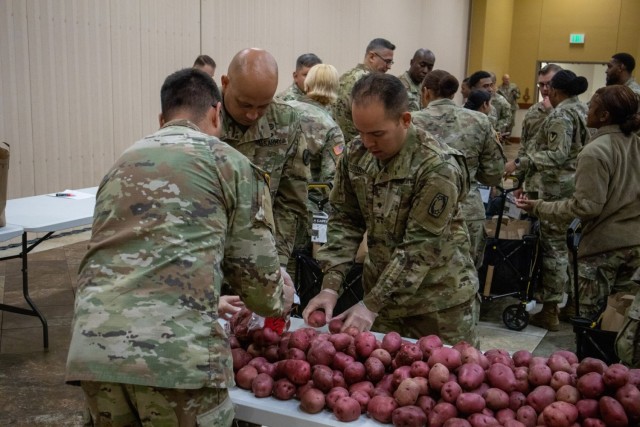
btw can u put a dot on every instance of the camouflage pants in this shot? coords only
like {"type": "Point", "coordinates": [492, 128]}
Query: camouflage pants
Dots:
{"type": "Point", "coordinates": [478, 239]}
{"type": "Point", "coordinates": [628, 340]}
{"type": "Point", "coordinates": [115, 404]}
{"type": "Point", "coordinates": [604, 274]}
{"type": "Point", "coordinates": [555, 261]}
{"type": "Point", "coordinates": [453, 324]}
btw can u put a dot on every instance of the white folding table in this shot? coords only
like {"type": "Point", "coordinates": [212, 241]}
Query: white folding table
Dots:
{"type": "Point", "coordinates": [43, 214]}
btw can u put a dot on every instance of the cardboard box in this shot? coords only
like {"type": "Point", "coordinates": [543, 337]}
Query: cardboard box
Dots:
{"type": "Point", "coordinates": [510, 229]}
{"type": "Point", "coordinates": [617, 308]}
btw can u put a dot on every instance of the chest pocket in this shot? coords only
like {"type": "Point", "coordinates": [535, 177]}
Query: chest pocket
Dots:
{"type": "Point", "coordinates": [271, 160]}
{"type": "Point", "coordinates": [392, 202]}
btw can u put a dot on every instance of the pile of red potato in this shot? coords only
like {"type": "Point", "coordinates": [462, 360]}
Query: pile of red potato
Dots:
{"type": "Point", "coordinates": [425, 383]}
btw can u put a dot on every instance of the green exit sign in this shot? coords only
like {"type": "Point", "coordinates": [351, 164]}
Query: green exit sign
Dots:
{"type": "Point", "coordinates": [576, 38]}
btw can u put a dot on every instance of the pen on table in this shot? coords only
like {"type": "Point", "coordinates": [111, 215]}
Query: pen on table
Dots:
{"type": "Point", "coordinates": [64, 195]}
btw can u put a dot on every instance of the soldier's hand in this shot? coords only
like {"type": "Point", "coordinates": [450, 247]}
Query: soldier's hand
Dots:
{"type": "Point", "coordinates": [509, 167]}
{"type": "Point", "coordinates": [525, 204]}
{"type": "Point", "coordinates": [358, 316]}
{"type": "Point", "coordinates": [326, 300]}
{"type": "Point", "coordinates": [289, 294]}
{"type": "Point", "coordinates": [229, 305]}
{"type": "Point", "coordinates": [285, 276]}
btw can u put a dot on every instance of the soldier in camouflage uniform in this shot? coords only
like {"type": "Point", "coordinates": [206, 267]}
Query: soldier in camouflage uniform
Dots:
{"type": "Point", "coordinates": [401, 187]}
{"type": "Point", "coordinates": [619, 69]}
{"type": "Point", "coordinates": [511, 93]}
{"type": "Point", "coordinates": [296, 90]}
{"type": "Point", "coordinates": [500, 113]}
{"type": "Point", "coordinates": [471, 133]}
{"type": "Point", "coordinates": [421, 64]}
{"type": "Point", "coordinates": [558, 142]}
{"type": "Point", "coordinates": [269, 133]}
{"type": "Point", "coordinates": [606, 199]}
{"type": "Point", "coordinates": [177, 214]}
{"type": "Point", "coordinates": [378, 58]}
{"type": "Point", "coordinates": [628, 340]}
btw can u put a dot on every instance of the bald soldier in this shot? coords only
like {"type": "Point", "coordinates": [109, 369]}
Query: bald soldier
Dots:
{"type": "Point", "coordinates": [178, 213]}
{"type": "Point", "coordinates": [401, 187]}
{"type": "Point", "coordinates": [420, 65]}
{"type": "Point", "coordinates": [268, 132]}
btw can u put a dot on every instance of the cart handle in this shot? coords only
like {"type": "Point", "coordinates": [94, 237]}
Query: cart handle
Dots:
{"type": "Point", "coordinates": [574, 234]}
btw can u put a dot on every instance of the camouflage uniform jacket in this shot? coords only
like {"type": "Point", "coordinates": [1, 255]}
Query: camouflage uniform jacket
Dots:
{"type": "Point", "coordinates": [556, 148]}
{"type": "Point", "coordinates": [418, 260]}
{"type": "Point", "coordinates": [533, 119]}
{"type": "Point", "coordinates": [413, 91]}
{"type": "Point", "coordinates": [292, 93]}
{"type": "Point", "coordinates": [511, 93]}
{"type": "Point", "coordinates": [276, 144]}
{"type": "Point", "coordinates": [323, 136]}
{"type": "Point", "coordinates": [500, 113]}
{"type": "Point", "coordinates": [633, 85]}
{"type": "Point", "coordinates": [177, 212]}
{"type": "Point", "coordinates": [470, 133]}
{"type": "Point", "coordinates": [342, 108]}
{"type": "Point", "coordinates": [607, 196]}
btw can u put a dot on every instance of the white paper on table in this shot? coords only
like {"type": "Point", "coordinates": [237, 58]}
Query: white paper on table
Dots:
{"type": "Point", "coordinates": [72, 194]}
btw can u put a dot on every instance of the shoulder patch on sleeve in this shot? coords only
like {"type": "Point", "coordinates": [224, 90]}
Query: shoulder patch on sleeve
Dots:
{"type": "Point", "coordinates": [338, 149]}
{"type": "Point", "coordinates": [438, 205]}
{"type": "Point", "coordinates": [552, 136]}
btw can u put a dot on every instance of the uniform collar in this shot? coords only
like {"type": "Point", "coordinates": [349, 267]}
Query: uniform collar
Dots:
{"type": "Point", "coordinates": [232, 131]}
{"type": "Point", "coordinates": [441, 101]}
{"type": "Point", "coordinates": [181, 122]}
{"type": "Point", "coordinates": [399, 166]}
{"type": "Point", "coordinates": [606, 130]}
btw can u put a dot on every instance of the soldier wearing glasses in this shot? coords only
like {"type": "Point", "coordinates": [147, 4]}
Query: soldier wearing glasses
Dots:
{"type": "Point", "coordinates": [378, 58]}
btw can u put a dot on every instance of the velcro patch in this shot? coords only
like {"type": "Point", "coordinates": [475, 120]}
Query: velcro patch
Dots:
{"type": "Point", "coordinates": [438, 205]}
{"type": "Point", "coordinates": [338, 149]}
{"type": "Point", "coordinates": [552, 136]}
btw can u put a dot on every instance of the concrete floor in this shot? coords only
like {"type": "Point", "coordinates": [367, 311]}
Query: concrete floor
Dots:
{"type": "Point", "coordinates": [32, 388]}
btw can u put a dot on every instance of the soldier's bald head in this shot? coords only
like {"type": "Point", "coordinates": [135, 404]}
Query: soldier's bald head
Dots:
{"type": "Point", "coordinates": [255, 64]}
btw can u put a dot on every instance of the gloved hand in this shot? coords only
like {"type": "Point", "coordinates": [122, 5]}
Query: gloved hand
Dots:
{"type": "Point", "coordinates": [326, 300]}
{"type": "Point", "coordinates": [288, 290]}
{"type": "Point", "coordinates": [358, 316]}
{"type": "Point", "coordinates": [229, 305]}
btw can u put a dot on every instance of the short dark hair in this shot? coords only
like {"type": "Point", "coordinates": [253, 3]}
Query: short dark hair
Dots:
{"type": "Point", "coordinates": [567, 82]}
{"type": "Point", "coordinates": [549, 68]}
{"type": "Point", "coordinates": [307, 60]}
{"type": "Point", "coordinates": [441, 83]}
{"type": "Point", "coordinates": [622, 105]}
{"type": "Point", "coordinates": [383, 87]}
{"type": "Point", "coordinates": [625, 59]}
{"type": "Point", "coordinates": [189, 89]}
{"type": "Point", "coordinates": [203, 60]}
{"type": "Point", "coordinates": [476, 98]}
{"type": "Point", "coordinates": [376, 44]}
{"type": "Point", "coordinates": [477, 76]}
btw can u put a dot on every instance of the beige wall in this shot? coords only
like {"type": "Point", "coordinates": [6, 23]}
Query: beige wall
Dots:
{"type": "Point", "coordinates": [80, 79]}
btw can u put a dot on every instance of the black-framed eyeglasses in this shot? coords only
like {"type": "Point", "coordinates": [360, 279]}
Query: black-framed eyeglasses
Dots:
{"type": "Point", "coordinates": [542, 85]}
{"type": "Point", "coordinates": [386, 61]}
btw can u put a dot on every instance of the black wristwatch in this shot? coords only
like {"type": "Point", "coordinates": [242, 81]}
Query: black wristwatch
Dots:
{"type": "Point", "coordinates": [517, 162]}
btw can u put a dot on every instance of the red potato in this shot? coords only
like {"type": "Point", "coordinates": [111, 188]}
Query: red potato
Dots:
{"type": "Point", "coordinates": [502, 377]}
{"type": "Point", "coordinates": [560, 378]}
{"type": "Point", "coordinates": [365, 386]}
{"type": "Point", "coordinates": [233, 342]}
{"type": "Point", "coordinates": [240, 358]}
{"type": "Point", "coordinates": [296, 354]}
{"type": "Point", "coordinates": [365, 344]}
{"type": "Point", "coordinates": [262, 385]}
{"type": "Point", "coordinates": [341, 361]}
{"type": "Point", "coordinates": [352, 330]}
{"type": "Point", "coordinates": [346, 409]}
{"type": "Point", "coordinates": [450, 391]}
{"type": "Point", "coordinates": [527, 416]}
{"type": "Point", "coordinates": [351, 351]}
{"type": "Point", "coordinates": [591, 385]}
{"type": "Point", "coordinates": [426, 403]}
{"type": "Point", "coordinates": [568, 393]}
{"type": "Point", "coordinates": [558, 362]}
{"type": "Point", "coordinates": [505, 414]}
{"type": "Point", "coordinates": [634, 377]}
{"type": "Point", "coordinates": [420, 368]}
{"type": "Point", "coordinates": [408, 416]}
{"type": "Point", "coordinates": [354, 372]}
{"type": "Point", "coordinates": [516, 400]}
{"type": "Point", "coordinates": [482, 420]}
{"type": "Point", "coordinates": [270, 337]}
{"type": "Point", "coordinates": [612, 412]}
{"type": "Point", "coordinates": [317, 319]}
{"type": "Point", "coordinates": [470, 403]}
{"type": "Point", "coordinates": [283, 345]}
{"type": "Point", "coordinates": [363, 398]}
{"type": "Point", "coordinates": [303, 389]}
{"type": "Point", "coordinates": [380, 408]}
{"type": "Point", "coordinates": [423, 383]}
{"type": "Point", "coordinates": [408, 354]}
{"type": "Point", "coordinates": [407, 392]}
{"type": "Point", "coordinates": [338, 379]}
{"type": "Point", "coordinates": [541, 397]}
{"type": "Point", "coordinates": [438, 375]}
{"type": "Point", "coordinates": [496, 399]}
{"type": "Point", "coordinates": [456, 422]}
{"type": "Point", "coordinates": [593, 422]}
{"type": "Point", "coordinates": [377, 391]}
{"type": "Point", "coordinates": [312, 401]}
{"type": "Point", "coordinates": [440, 413]}
{"type": "Point", "coordinates": [297, 371]}
{"type": "Point", "coordinates": [560, 414]}
{"type": "Point", "coordinates": [322, 377]}
{"type": "Point", "coordinates": [341, 341]}
{"type": "Point", "coordinates": [590, 364]}
{"type": "Point", "coordinates": [522, 358]}
{"type": "Point", "coordinates": [271, 353]}
{"type": "Point", "coordinates": [387, 383]}
{"type": "Point", "coordinates": [447, 356]}
{"type": "Point", "coordinates": [499, 356]}
{"type": "Point", "coordinates": [391, 342]}
{"type": "Point", "coordinates": [536, 360]}
{"type": "Point", "coordinates": [482, 388]}
{"type": "Point", "coordinates": [513, 423]}
{"type": "Point", "coordinates": [629, 397]}
{"type": "Point", "coordinates": [522, 379]}
{"type": "Point", "coordinates": [383, 355]}
{"type": "Point", "coordinates": [335, 325]}
{"type": "Point", "coordinates": [615, 376]}
{"type": "Point", "coordinates": [470, 376]}
{"type": "Point", "coordinates": [588, 408]}
{"type": "Point", "coordinates": [283, 389]}
{"type": "Point", "coordinates": [400, 374]}
{"type": "Point", "coordinates": [540, 375]}
{"type": "Point", "coordinates": [569, 355]}
{"type": "Point", "coordinates": [470, 355]}
{"type": "Point", "coordinates": [321, 353]}
{"type": "Point", "coordinates": [245, 376]}
{"type": "Point", "coordinates": [335, 394]}
{"type": "Point", "coordinates": [375, 369]}
{"type": "Point", "coordinates": [428, 343]}
{"type": "Point", "coordinates": [300, 339]}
